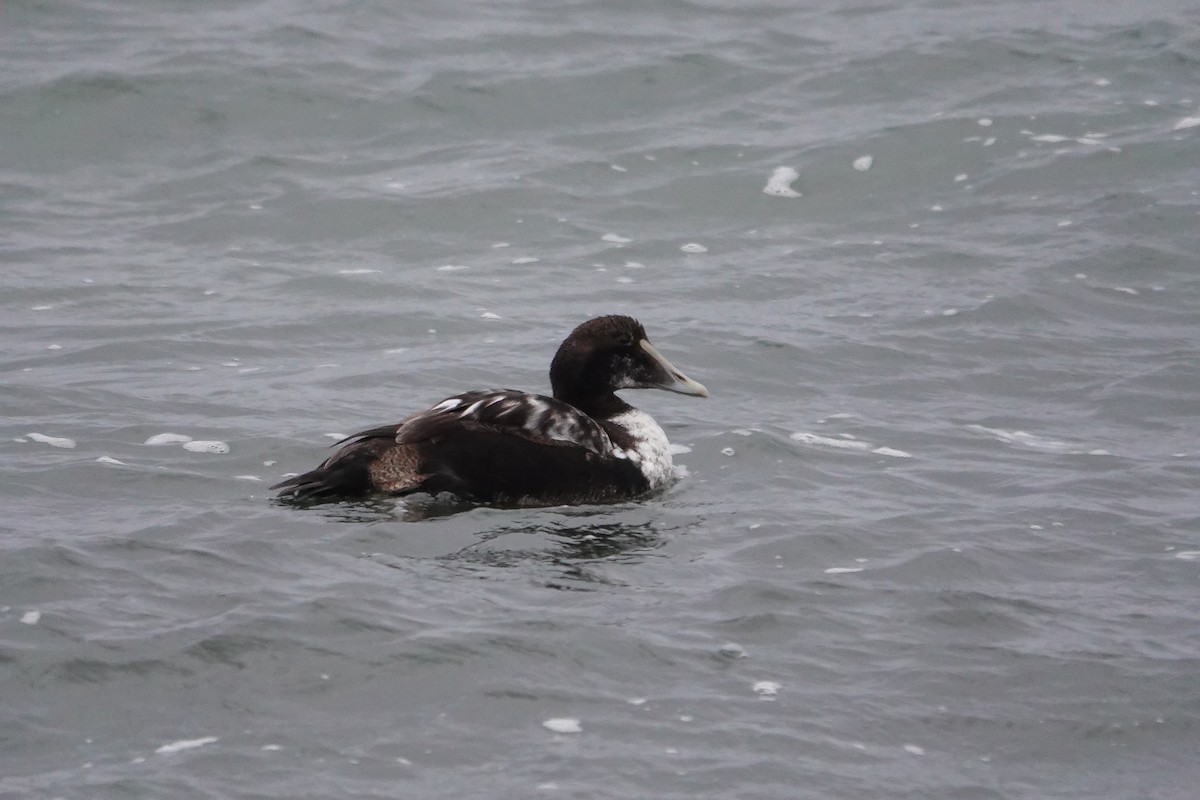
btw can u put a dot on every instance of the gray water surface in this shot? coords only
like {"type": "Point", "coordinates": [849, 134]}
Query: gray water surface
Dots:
{"type": "Point", "coordinates": [938, 534]}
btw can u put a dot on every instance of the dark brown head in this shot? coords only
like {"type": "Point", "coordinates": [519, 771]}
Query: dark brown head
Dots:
{"type": "Point", "coordinates": [606, 354]}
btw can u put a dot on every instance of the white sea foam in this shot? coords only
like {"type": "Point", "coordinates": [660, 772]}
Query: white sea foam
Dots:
{"type": "Point", "coordinates": [615, 239]}
{"type": "Point", "coordinates": [489, 315]}
{"type": "Point", "coordinates": [185, 744]}
{"type": "Point", "coordinates": [842, 570]}
{"type": "Point", "coordinates": [206, 446]}
{"type": "Point", "coordinates": [863, 163]}
{"type": "Point", "coordinates": [1035, 442]}
{"type": "Point", "coordinates": [891, 451]}
{"type": "Point", "coordinates": [109, 460]}
{"type": "Point", "coordinates": [780, 183]}
{"type": "Point", "coordinates": [450, 267]}
{"type": "Point", "coordinates": [766, 689]}
{"type": "Point", "coordinates": [846, 441]}
{"type": "Point", "coordinates": [525, 260]}
{"type": "Point", "coordinates": [732, 650]}
{"type": "Point", "coordinates": [31, 617]}
{"type": "Point", "coordinates": [167, 438]}
{"type": "Point", "coordinates": [359, 271]}
{"type": "Point", "coordinates": [915, 749]}
{"type": "Point", "coordinates": [53, 441]}
{"type": "Point", "coordinates": [1186, 122]}
{"type": "Point", "coordinates": [1051, 138]}
{"type": "Point", "coordinates": [693, 247]}
{"type": "Point", "coordinates": [563, 725]}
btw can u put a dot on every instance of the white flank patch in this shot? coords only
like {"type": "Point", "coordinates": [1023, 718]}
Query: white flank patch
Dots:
{"type": "Point", "coordinates": [780, 183]}
{"type": "Point", "coordinates": [53, 441]}
{"type": "Point", "coordinates": [563, 725]}
{"type": "Point", "coordinates": [185, 744]}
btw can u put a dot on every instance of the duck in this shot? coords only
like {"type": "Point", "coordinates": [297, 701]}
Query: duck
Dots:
{"type": "Point", "coordinates": [581, 444]}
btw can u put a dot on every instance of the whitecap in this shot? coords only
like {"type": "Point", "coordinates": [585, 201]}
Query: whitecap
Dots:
{"type": "Point", "coordinates": [842, 570]}
{"type": "Point", "coordinates": [693, 247]}
{"type": "Point", "coordinates": [863, 163]}
{"type": "Point", "coordinates": [109, 460]}
{"type": "Point", "coordinates": [780, 183]}
{"type": "Point", "coordinates": [53, 441]}
{"type": "Point", "coordinates": [525, 260]}
{"type": "Point", "coordinates": [185, 744]}
{"type": "Point", "coordinates": [615, 239]}
{"type": "Point", "coordinates": [1035, 442]}
{"type": "Point", "coordinates": [31, 617]}
{"type": "Point", "coordinates": [766, 689]}
{"type": "Point", "coordinates": [891, 451]}
{"type": "Point", "coordinates": [167, 438]}
{"type": "Point", "coordinates": [805, 437]}
{"type": "Point", "coordinates": [1186, 122]}
{"type": "Point", "coordinates": [563, 725]}
{"type": "Point", "coordinates": [206, 446]}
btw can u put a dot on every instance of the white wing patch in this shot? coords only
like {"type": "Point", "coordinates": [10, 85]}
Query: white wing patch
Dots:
{"type": "Point", "coordinates": [536, 416]}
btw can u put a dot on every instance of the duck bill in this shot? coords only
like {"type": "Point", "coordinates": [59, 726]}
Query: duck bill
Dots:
{"type": "Point", "coordinates": [670, 378]}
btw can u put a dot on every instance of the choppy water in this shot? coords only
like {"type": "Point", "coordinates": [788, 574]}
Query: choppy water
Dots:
{"type": "Point", "coordinates": [939, 535]}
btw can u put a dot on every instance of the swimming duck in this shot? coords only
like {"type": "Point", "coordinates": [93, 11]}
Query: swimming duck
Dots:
{"type": "Point", "coordinates": [583, 444]}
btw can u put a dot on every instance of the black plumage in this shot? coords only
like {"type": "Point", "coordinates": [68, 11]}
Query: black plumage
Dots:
{"type": "Point", "coordinates": [504, 446]}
